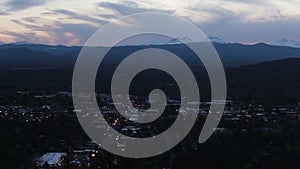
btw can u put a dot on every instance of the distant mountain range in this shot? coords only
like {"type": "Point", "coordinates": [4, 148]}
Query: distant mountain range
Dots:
{"type": "Point", "coordinates": [213, 39]}
{"type": "Point", "coordinates": [217, 40]}
{"type": "Point", "coordinates": [24, 55]}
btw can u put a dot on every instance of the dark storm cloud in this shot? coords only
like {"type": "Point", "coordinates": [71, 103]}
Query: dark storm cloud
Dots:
{"type": "Point", "coordinates": [127, 8]}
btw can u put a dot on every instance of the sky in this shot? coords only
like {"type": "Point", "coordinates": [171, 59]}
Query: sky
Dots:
{"type": "Point", "coordinates": [72, 22]}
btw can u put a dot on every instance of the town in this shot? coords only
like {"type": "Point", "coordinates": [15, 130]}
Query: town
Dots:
{"type": "Point", "coordinates": [44, 132]}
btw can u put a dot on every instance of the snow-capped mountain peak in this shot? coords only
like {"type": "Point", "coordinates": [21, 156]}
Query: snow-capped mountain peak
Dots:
{"type": "Point", "coordinates": [214, 39]}
{"type": "Point", "coordinates": [169, 41]}
{"type": "Point", "coordinates": [179, 40]}
{"type": "Point", "coordinates": [185, 40]}
{"type": "Point", "coordinates": [286, 42]}
{"type": "Point", "coordinates": [22, 43]}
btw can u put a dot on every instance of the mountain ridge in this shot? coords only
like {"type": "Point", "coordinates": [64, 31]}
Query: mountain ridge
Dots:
{"type": "Point", "coordinates": [231, 54]}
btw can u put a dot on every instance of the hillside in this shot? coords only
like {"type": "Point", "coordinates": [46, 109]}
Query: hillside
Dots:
{"type": "Point", "coordinates": [275, 82]}
{"type": "Point", "coordinates": [269, 82]}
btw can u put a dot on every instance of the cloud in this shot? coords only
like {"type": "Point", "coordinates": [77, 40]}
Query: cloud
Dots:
{"type": "Point", "coordinates": [4, 13]}
{"type": "Point", "coordinates": [234, 29]}
{"type": "Point", "coordinates": [31, 19]}
{"type": "Point", "coordinates": [27, 25]}
{"type": "Point", "coordinates": [130, 7]}
{"type": "Point", "coordinates": [107, 16]}
{"type": "Point", "coordinates": [15, 5]}
{"type": "Point", "coordinates": [77, 32]}
{"type": "Point", "coordinates": [54, 33]}
{"type": "Point", "coordinates": [74, 15]}
{"type": "Point", "coordinates": [27, 36]}
{"type": "Point", "coordinates": [231, 20]}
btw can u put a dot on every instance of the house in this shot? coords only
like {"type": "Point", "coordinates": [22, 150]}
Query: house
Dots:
{"type": "Point", "coordinates": [51, 160]}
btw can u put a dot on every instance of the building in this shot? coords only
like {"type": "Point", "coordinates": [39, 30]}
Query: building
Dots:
{"type": "Point", "coordinates": [51, 160]}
